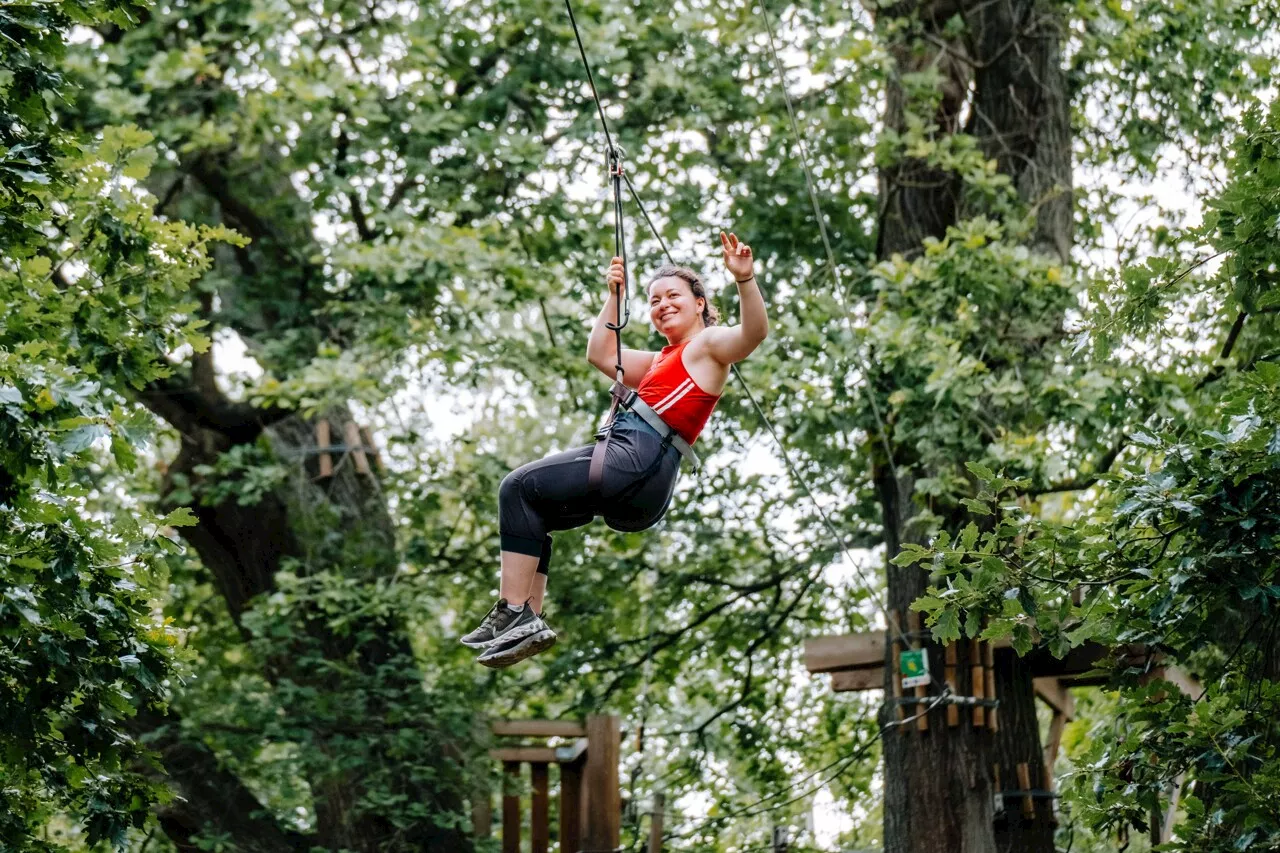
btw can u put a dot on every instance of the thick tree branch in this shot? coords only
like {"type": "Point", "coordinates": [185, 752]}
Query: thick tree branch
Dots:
{"type": "Point", "coordinates": [188, 406]}
{"type": "Point", "coordinates": [1219, 370]}
{"type": "Point", "coordinates": [207, 794]}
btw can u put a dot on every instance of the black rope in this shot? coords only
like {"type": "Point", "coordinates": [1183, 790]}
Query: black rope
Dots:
{"type": "Point", "coordinates": [613, 157]}
{"type": "Point", "coordinates": [620, 250]}
{"type": "Point", "coordinates": [590, 78]}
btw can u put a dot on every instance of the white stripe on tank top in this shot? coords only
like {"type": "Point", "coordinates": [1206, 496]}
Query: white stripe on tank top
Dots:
{"type": "Point", "coordinates": [675, 394]}
{"type": "Point", "coordinates": [684, 389]}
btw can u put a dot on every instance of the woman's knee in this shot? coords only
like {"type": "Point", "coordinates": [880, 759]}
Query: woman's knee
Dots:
{"type": "Point", "coordinates": [511, 488]}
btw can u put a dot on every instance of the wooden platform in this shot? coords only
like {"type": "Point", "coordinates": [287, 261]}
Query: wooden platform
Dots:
{"type": "Point", "coordinates": [846, 654]}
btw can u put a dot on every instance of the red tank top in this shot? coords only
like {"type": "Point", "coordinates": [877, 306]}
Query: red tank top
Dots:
{"type": "Point", "coordinates": [671, 392]}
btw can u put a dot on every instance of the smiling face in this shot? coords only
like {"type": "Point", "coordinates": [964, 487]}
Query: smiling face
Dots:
{"type": "Point", "coordinates": [673, 308]}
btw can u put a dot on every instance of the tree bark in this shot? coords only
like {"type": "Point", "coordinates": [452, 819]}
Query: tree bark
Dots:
{"type": "Point", "coordinates": [1006, 72]}
{"type": "Point", "coordinates": [207, 795]}
{"type": "Point", "coordinates": [1018, 744]}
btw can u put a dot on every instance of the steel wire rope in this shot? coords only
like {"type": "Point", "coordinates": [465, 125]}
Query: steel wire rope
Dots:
{"type": "Point", "coordinates": [757, 808]}
{"type": "Point", "coordinates": [826, 240]}
{"type": "Point", "coordinates": [891, 624]}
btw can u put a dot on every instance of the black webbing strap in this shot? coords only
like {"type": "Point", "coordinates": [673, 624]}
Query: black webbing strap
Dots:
{"type": "Point", "coordinates": [595, 473]}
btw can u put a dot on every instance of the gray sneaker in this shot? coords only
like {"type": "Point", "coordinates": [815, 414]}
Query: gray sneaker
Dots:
{"type": "Point", "coordinates": [497, 622]}
{"type": "Point", "coordinates": [514, 646]}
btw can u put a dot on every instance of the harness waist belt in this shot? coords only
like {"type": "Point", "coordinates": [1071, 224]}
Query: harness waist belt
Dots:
{"type": "Point", "coordinates": [633, 402]}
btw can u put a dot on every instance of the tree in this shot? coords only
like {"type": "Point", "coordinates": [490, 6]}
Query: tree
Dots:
{"type": "Point", "coordinates": [1175, 549]}
{"type": "Point", "coordinates": [93, 286]}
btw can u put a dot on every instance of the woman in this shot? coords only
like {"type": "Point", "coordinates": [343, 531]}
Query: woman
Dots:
{"type": "Point", "coordinates": [680, 385]}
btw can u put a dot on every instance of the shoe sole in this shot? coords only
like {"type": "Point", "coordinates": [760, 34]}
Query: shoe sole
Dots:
{"type": "Point", "coordinates": [526, 648]}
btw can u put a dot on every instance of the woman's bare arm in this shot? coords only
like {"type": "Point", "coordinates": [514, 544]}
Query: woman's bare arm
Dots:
{"type": "Point", "coordinates": [602, 350]}
{"type": "Point", "coordinates": [731, 344]}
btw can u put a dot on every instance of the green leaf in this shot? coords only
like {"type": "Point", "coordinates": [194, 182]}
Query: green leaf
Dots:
{"type": "Point", "coordinates": [180, 517]}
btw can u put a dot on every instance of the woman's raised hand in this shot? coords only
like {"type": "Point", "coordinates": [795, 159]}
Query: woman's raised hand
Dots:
{"type": "Point", "coordinates": [737, 257]}
{"type": "Point", "coordinates": [615, 276]}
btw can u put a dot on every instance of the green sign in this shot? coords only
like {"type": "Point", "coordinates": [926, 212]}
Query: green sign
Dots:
{"type": "Point", "coordinates": [913, 664]}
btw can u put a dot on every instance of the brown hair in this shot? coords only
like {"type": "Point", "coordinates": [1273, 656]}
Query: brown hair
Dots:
{"type": "Point", "coordinates": [710, 316]}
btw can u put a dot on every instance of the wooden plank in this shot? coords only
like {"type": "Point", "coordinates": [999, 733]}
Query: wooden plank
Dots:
{"type": "Point", "coordinates": [532, 754]}
{"type": "Point", "coordinates": [1024, 784]}
{"type": "Point", "coordinates": [352, 436]}
{"type": "Point", "coordinates": [995, 773]}
{"type": "Point", "coordinates": [366, 438]}
{"type": "Point", "coordinates": [844, 651]}
{"type": "Point", "coordinates": [953, 711]}
{"type": "Point", "coordinates": [978, 685]}
{"type": "Point", "coordinates": [538, 728]}
{"type": "Point", "coordinates": [571, 811]}
{"type": "Point", "coordinates": [1170, 816]}
{"type": "Point", "coordinates": [1056, 695]}
{"type": "Point", "coordinates": [604, 804]}
{"type": "Point", "coordinates": [322, 440]}
{"type": "Point", "coordinates": [1053, 742]}
{"type": "Point", "coordinates": [539, 822]}
{"type": "Point", "coordinates": [847, 680]}
{"type": "Point", "coordinates": [655, 823]}
{"type": "Point", "coordinates": [511, 808]}
{"type": "Point", "coordinates": [989, 671]}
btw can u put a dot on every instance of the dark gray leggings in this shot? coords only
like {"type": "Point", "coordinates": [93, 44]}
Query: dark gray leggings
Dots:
{"type": "Point", "coordinates": [551, 494]}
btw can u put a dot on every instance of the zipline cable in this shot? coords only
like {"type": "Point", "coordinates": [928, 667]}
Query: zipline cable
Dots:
{"type": "Point", "coordinates": [822, 230]}
{"type": "Point", "coordinates": [891, 623]}
{"type": "Point", "coordinates": [841, 764]}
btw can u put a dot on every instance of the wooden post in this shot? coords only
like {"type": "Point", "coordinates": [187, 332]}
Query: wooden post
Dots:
{"type": "Point", "coordinates": [976, 676]}
{"type": "Point", "coordinates": [989, 668]}
{"type": "Point", "coordinates": [604, 805]}
{"type": "Point", "coordinates": [953, 711]}
{"type": "Point", "coordinates": [655, 823]}
{"type": "Point", "coordinates": [481, 812]}
{"type": "Point", "coordinates": [323, 440]}
{"type": "Point", "coordinates": [511, 807]}
{"type": "Point", "coordinates": [1056, 725]}
{"type": "Point", "coordinates": [922, 692]}
{"type": "Point", "coordinates": [1166, 828]}
{"type": "Point", "coordinates": [366, 438]}
{"type": "Point", "coordinates": [539, 824]}
{"type": "Point", "coordinates": [571, 811]}
{"type": "Point", "coordinates": [352, 436]}
{"type": "Point", "coordinates": [1024, 783]}
{"type": "Point", "coordinates": [895, 626]}
{"type": "Point", "coordinates": [995, 773]}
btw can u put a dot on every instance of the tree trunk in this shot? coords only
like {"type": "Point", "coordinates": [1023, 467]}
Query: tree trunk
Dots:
{"type": "Point", "coordinates": [1026, 822]}
{"type": "Point", "coordinates": [1005, 71]}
